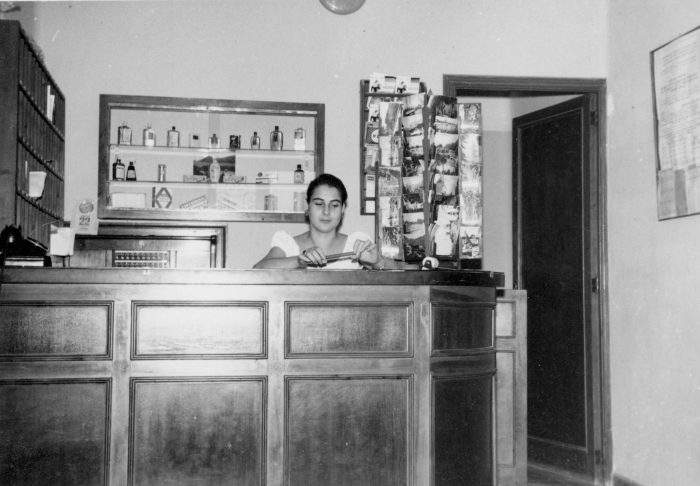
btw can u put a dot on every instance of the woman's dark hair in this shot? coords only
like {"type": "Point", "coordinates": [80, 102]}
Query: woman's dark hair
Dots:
{"type": "Point", "coordinates": [327, 180]}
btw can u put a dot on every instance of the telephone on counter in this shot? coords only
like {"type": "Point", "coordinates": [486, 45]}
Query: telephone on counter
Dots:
{"type": "Point", "coordinates": [20, 251]}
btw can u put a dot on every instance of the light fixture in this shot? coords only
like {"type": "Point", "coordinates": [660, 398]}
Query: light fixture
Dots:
{"type": "Point", "coordinates": [342, 7]}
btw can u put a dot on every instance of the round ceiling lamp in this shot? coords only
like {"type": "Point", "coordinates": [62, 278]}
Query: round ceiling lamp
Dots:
{"type": "Point", "coordinates": [342, 7]}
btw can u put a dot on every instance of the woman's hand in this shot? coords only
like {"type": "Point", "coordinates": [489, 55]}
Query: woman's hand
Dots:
{"type": "Point", "coordinates": [313, 256]}
{"type": "Point", "coordinates": [367, 253]}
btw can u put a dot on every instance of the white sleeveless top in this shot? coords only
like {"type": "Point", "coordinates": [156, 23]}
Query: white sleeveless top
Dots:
{"type": "Point", "coordinates": [286, 242]}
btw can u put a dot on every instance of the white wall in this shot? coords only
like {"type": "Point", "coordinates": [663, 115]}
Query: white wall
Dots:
{"type": "Point", "coordinates": [295, 50]}
{"type": "Point", "coordinates": [654, 266]}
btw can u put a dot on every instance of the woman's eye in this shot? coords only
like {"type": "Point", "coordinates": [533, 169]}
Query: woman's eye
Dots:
{"type": "Point", "coordinates": [335, 206]}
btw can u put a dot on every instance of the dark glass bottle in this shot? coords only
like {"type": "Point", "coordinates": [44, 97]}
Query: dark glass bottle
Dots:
{"type": "Point", "coordinates": [118, 170]}
{"type": "Point", "coordinates": [131, 172]}
{"type": "Point", "coordinates": [276, 139]}
{"type": "Point", "coordinates": [299, 175]}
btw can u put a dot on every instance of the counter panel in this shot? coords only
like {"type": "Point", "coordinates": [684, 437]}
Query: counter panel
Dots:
{"type": "Point", "coordinates": [460, 329]}
{"type": "Point", "coordinates": [348, 430]}
{"type": "Point", "coordinates": [54, 431]}
{"type": "Point", "coordinates": [199, 330]}
{"type": "Point", "coordinates": [349, 329]}
{"type": "Point", "coordinates": [55, 330]}
{"type": "Point", "coordinates": [462, 429]}
{"type": "Point", "coordinates": [197, 431]}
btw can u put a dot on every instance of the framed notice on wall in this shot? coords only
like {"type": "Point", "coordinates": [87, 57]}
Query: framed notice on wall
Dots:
{"type": "Point", "coordinates": [675, 69]}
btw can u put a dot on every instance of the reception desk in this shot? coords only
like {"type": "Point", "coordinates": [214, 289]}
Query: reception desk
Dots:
{"type": "Point", "coordinates": [299, 378]}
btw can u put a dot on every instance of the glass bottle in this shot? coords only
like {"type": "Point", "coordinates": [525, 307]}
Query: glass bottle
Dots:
{"type": "Point", "coordinates": [214, 141]}
{"type": "Point", "coordinates": [124, 135]}
{"type": "Point", "coordinates": [299, 139]}
{"type": "Point", "coordinates": [255, 141]}
{"type": "Point", "coordinates": [149, 136]}
{"type": "Point", "coordinates": [131, 172]}
{"type": "Point", "coordinates": [276, 139]}
{"type": "Point", "coordinates": [214, 171]}
{"type": "Point", "coordinates": [299, 175]}
{"type": "Point", "coordinates": [173, 138]}
{"type": "Point", "coordinates": [118, 170]}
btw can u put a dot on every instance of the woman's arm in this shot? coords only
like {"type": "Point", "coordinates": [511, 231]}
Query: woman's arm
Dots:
{"type": "Point", "coordinates": [367, 253]}
{"type": "Point", "coordinates": [277, 259]}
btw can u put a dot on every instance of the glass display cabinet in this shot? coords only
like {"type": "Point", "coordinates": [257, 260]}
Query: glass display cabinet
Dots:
{"type": "Point", "coordinates": [196, 159]}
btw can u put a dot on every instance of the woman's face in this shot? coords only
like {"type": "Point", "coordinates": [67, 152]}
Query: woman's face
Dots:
{"type": "Point", "coordinates": [326, 209]}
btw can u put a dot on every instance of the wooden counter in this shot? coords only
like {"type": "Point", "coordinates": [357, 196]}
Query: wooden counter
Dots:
{"type": "Point", "coordinates": [247, 377]}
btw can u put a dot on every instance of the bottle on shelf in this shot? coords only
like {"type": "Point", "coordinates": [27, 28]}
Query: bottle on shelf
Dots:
{"type": "Point", "coordinates": [173, 138]}
{"type": "Point", "coordinates": [276, 139]}
{"type": "Point", "coordinates": [149, 136]}
{"type": "Point", "coordinates": [255, 141]}
{"type": "Point", "coordinates": [131, 172]}
{"type": "Point", "coordinates": [214, 171]}
{"type": "Point", "coordinates": [118, 170]}
{"type": "Point", "coordinates": [299, 175]}
{"type": "Point", "coordinates": [214, 141]}
{"type": "Point", "coordinates": [300, 139]}
{"type": "Point", "coordinates": [124, 134]}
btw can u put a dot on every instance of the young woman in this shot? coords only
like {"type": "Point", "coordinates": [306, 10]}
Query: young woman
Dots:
{"type": "Point", "coordinates": [326, 198]}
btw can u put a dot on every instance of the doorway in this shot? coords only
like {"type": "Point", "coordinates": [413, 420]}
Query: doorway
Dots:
{"type": "Point", "coordinates": [568, 419]}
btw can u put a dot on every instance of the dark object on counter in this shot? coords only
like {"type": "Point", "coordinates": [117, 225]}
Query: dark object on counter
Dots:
{"type": "Point", "coordinates": [19, 251]}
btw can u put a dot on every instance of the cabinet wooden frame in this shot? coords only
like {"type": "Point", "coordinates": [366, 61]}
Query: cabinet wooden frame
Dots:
{"type": "Point", "coordinates": [110, 102]}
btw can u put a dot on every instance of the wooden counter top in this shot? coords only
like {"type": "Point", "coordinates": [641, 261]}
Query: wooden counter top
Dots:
{"type": "Point", "coordinates": [481, 278]}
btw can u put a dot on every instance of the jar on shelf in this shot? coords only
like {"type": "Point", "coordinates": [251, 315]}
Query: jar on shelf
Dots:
{"type": "Point", "coordinates": [276, 139]}
{"type": "Point", "coordinates": [124, 134]}
{"type": "Point", "coordinates": [149, 136]}
{"type": "Point", "coordinates": [173, 138]}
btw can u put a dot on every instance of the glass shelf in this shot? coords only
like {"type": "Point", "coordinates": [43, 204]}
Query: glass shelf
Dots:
{"type": "Point", "coordinates": [197, 151]}
{"type": "Point", "coordinates": [194, 196]}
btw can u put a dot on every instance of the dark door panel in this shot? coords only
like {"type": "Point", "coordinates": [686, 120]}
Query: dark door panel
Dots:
{"type": "Point", "coordinates": [551, 183]}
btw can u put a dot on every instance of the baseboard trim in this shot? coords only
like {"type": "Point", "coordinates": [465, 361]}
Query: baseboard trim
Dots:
{"type": "Point", "coordinates": [619, 480]}
{"type": "Point", "coordinates": [562, 475]}
{"type": "Point", "coordinates": [558, 455]}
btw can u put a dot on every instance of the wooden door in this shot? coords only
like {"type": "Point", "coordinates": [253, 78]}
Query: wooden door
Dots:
{"type": "Point", "coordinates": [554, 254]}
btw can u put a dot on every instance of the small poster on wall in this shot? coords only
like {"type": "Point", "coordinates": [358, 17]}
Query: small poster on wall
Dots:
{"type": "Point", "coordinates": [676, 89]}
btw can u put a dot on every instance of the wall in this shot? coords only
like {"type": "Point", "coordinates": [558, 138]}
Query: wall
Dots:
{"type": "Point", "coordinates": [654, 266]}
{"type": "Point", "coordinates": [296, 51]}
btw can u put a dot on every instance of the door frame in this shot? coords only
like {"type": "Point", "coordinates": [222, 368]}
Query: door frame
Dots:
{"type": "Point", "coordinates": [595, 91]}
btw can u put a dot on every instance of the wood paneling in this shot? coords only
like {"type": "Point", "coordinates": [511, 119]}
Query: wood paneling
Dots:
{"type": "Point", "coordinates": [40, 330]}
{"type": "Point", "coordinates": [462, 421]}
{"type": "Point", "coordinates": [54, 432]}
{"type": "Point", "coordinates": [348, 431]}
{"type": "Point", "coordinates": [349, 328]}
{"type": "Point", "coordinates": [505, 404]}
{"type": "Point", "coordinates": [461, 328]}
{"type": "Point", "coordinates": [511, 387]}
{"type": "Point", "coordinates": [197, 431]}
{"type": "Point", "coordinates": [257, 378]}
{"type": "Point", "coordinates": [199, 330]}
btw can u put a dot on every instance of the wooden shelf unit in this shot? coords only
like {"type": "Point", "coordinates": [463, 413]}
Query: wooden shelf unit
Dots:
{"type": "Point", "coordinates": [32, 135]}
